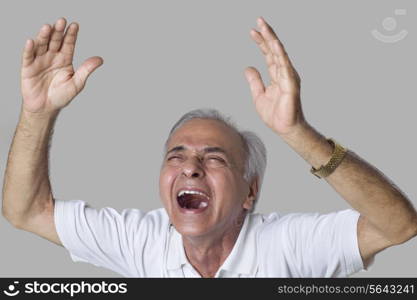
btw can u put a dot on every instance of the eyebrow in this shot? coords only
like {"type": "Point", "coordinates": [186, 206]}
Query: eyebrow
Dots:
{"type": "Point", "coordinates": [205, 150]}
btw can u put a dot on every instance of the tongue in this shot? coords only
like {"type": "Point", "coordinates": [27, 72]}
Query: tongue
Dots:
{"type": "Point", "coordinates": [194, 201]}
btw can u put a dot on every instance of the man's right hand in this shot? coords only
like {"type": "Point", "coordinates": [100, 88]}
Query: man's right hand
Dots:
{"type": "Point", "coordinates": [48, 79]}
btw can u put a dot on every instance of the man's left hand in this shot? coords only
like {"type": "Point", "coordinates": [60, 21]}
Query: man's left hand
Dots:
{"type": "Point", "coordinates": [278, 104]}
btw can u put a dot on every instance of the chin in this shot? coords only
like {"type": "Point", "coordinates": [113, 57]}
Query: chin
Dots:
{"type": "Point", "coordinates": [190, 229]}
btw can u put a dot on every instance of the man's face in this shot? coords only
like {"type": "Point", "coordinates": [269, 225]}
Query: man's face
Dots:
{"type": "Point", "coordinates": [201, 180]}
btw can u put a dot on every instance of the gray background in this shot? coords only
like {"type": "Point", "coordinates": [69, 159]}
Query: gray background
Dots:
{"type": "Point", "coordinates": [163, 58]}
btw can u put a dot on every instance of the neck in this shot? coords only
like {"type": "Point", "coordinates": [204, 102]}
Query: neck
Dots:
{"type": "Point", "coordinates": [207, 253]}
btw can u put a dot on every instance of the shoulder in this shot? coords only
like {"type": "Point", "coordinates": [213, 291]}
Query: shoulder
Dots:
{"type": "Point", "coordinates": [309, 244]}
{"type": "Point", "coordinates": [81, 214]}
{"type": "Point", "coordinates": [157, 221]}
{"type": "Point", "coordinates": [299, 222]}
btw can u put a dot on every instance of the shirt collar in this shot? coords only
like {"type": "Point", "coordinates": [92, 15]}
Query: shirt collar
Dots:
{"type": "Point", "coordinates": [241, 260]}
{"type": "Point", "coordinates": [176, 254]}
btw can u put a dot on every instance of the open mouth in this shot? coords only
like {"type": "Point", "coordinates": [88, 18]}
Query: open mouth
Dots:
{"type": "Point", "coordinates": [192, 200]}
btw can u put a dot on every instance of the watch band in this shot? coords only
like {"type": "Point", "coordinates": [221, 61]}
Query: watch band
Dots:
{"type": "Point", "coordinates": [338, 154]}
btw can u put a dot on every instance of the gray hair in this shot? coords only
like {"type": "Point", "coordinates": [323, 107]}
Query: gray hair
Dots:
{"type": "Point", "coordinates": [254, 148]}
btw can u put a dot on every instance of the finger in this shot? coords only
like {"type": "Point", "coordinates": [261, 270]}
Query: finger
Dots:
{"type": "Point", "coordinates": [272, 60]}
{"type": "Point", "coordinates": [285, 73]}
{"type": "Point", "coordinates": [273, 43]}
{"type": "Point", "coordinates": [256, 84]}
{"type": "Point", "coordinates": [57, 35]}
{"type": "Point", "coordinates": [297, 76]}
{"type": "Point", "coordinates": [42, 40]}
{"type": "Point", "coordinates": [274, 72]}
{"type": "Point", "coordinates": [70, 39]}
{"type": "Point", "coordinates": [257, 37]}
{"type": "Point", "coordinates": [82, 73]}
{"type": "Point", "coordinates": [268, 33]}
{"type": "Point", "coordinates": [28, 53]}
{"type": "Point", "coordinates": [281, 60]}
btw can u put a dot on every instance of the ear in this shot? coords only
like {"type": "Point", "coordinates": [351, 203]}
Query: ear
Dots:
{"type": "Point", "coordinates": [253, 192]}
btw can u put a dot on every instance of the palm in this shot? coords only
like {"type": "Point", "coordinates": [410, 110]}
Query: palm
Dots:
{"type": "Point", "coordinates": [278, 104]}
{"type": "Point", "coordinates": [48, 79]}
{"type": "Point", "coordinates": [277, 107]}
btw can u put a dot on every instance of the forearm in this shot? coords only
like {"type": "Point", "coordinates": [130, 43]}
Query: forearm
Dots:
{"type": "Point", "coordinates": [363, 186]}
{"type": "Point", "coordinates": [26, 187]}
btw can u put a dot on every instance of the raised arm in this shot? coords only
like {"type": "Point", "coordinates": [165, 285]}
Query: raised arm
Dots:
{"type": "Point", "coordinates": [48, 84]}
{"type": "Point", "coordinates": [387, 217]}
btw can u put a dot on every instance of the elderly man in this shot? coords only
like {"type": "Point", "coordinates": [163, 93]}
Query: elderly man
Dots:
{"type": "Point", "coordinates": [210, 180]}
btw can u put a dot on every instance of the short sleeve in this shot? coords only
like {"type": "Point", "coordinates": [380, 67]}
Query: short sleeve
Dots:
{"type": "Point", "coordinates": [317, 245]}
{"type": "Point", "coordinates": [107, 238]}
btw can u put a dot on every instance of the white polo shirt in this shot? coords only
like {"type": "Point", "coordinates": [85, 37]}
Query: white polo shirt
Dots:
{"type": "Point", "coordinates": [134, 243]}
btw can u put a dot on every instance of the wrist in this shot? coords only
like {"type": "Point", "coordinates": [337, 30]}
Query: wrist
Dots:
{"type": "Point", "coordinates": [38, 116]}
{"type": "Point", "coordinates": [312, 146]}
{"type": "Point", "coordinates": [36, 125]}
{"type": "Point", "coordinates": [297, 133]}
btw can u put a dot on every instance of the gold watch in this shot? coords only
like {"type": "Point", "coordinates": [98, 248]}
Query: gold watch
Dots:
{"type": "Point", "coordinates": [338, 154]}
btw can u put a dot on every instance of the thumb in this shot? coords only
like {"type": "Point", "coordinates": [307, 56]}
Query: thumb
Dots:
{"type": "Point", "coordinates": [82, 73]}
{"type": "Point", "coordinates": [254, 79]}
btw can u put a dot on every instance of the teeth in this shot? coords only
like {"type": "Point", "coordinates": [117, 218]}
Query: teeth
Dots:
{"type": "Point", "coordinates": [202, 204]}
{"type": "Point", "coordinates": [191, 192]}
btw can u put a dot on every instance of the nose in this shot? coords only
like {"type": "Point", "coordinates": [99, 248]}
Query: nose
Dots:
{"type": "Point", "coordinates": [192, 168]}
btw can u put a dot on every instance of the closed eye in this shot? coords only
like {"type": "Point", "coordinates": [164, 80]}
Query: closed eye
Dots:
{"type": "Point", "coordinates": [172, 157]}
{"type": "Point", "coordinates": [216, 158]}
